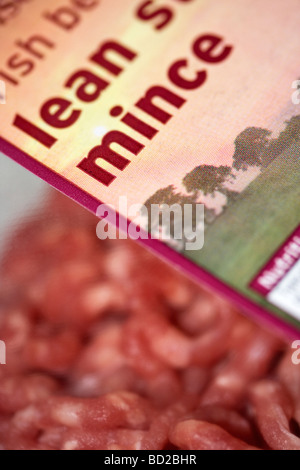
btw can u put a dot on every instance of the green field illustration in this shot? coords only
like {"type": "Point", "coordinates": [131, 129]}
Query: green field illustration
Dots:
{"type": "Point", "coordinates": [246, 235]}
{"type": "Point", "coordinates": [253, 223]}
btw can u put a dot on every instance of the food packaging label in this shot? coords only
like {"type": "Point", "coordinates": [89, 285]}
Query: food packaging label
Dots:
{"type": "Point", "coordinates": [134, 104]}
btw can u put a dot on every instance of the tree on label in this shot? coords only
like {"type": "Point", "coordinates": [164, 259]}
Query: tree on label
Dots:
{"type": "Point", "coordinates": [290, 134]}
{"type": "Point", "coordinates": [210, 179]}
{"type": "Point", "coordinates": [253, 146]}
{"type": "Point", "coordinates": [169, 196]}
{"type": "Point", "coordinates": [249, 148]}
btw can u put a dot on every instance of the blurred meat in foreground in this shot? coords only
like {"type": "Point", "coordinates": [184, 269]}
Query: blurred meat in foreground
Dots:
{"type": "Point", "coordinates": [110, 348]}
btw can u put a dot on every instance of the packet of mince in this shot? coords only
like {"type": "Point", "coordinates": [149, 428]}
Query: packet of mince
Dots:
{"type": "Point", "coordinates": [177, 121]}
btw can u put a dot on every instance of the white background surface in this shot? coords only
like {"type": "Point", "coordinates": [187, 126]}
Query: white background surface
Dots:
{"type": "Point", "coordinates": [20, 194]}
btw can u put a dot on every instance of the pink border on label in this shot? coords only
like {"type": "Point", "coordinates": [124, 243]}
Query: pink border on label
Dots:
{"type": "Point", "coordinates": [270, 276]}
{"type": "Point", "coordinates": [258, 314]}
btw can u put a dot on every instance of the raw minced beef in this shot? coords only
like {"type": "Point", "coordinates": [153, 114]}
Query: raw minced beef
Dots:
{"type": "Point", "coordinates": [110, 348]}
